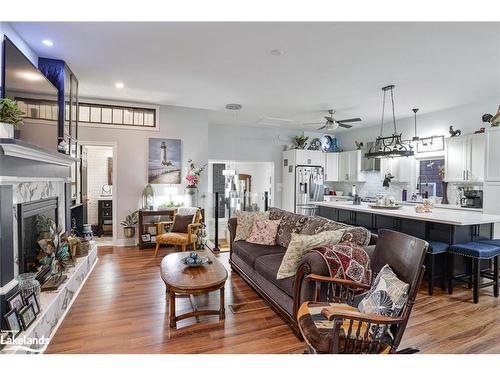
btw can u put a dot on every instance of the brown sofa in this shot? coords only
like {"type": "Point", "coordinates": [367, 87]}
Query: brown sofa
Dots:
{"type": "Point", "coordinates": [258, 264]}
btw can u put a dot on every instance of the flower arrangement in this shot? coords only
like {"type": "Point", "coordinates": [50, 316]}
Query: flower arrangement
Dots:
{"type": "Point", "coordinates": [193, 173]}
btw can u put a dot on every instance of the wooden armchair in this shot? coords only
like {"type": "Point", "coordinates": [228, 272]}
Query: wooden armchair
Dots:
{"type": "Point", "coordinates": [179, 238]}
{"type": "Point", "coordinates": [333, 324]}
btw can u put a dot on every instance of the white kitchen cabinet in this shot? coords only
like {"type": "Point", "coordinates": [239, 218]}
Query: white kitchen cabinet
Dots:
{"type": "Point", "coordinates": [309, 157]}
{"type": "Point", "coordinates": [350, 166]}
{"type": "Point", "coordinates": [464, 158]}
{"type": "Point", "coordinates": [401, 168]}
{"type": "Point", "coordinates": [492, 146]}
{"type": "Point", "coordinates": [332, 166]}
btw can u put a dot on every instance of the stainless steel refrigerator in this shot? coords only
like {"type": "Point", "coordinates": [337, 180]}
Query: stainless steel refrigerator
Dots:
{"type": "Point", "coordinates": [308, 189]}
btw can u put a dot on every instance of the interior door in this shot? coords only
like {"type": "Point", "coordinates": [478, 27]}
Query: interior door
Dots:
{"type": "Point", "coordinates": [84, 183]}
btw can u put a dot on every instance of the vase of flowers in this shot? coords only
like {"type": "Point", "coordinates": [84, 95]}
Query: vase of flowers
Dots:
{"type": "Point", "coordinates": [192, 180]}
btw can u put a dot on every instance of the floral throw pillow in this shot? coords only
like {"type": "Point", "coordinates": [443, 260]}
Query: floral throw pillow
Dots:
{"type": "Point", "coordinates": [244, 223]}
{"type": "Point", "coordinates": [387, 296]}
{"type": "Point", "coordinates": [264, 231]}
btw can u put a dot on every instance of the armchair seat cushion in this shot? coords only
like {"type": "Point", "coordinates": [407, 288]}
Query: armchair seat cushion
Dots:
{"type": "Point", "coordinates": [318, 330]}
{"type": "Point", "coordinates": [476, 250]}
{"type": "Point", "coordinates": [175, 238]}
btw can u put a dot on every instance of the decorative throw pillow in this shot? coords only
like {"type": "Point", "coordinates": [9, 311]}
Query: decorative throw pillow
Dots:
{"type": "Point", "coordinates": [358, 235]}
{"type": "Point", "coordinates": [347, 261]}
{"type": "Point", "coordinates": [387, 296]}
{"type": "Point", "coordinates": [244, 223]}
{"type": "Point", "coordinates": [264, 231]}
{"type": "Point", "coordinates": [181, 223]}
{"type": "Point", "coordinates": [318, 224]}
{"type": "Point", "coordinates": [290, 223]}
{"type": "Point", "coordinates": [299, 245]}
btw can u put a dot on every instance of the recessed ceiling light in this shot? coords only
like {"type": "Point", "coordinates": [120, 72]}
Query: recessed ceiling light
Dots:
{"type": "Point", "coordinates": [234, 106]}
{"type": "Point", "coordinates": [48, 43]}
{"type": "Point", "coordinates": [276, 52]}
{"type": "Point", "coordinates": [119, 85]}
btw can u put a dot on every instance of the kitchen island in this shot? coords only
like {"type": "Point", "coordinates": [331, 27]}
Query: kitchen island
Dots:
{"type": "Point", "coordinates": [445, 225]}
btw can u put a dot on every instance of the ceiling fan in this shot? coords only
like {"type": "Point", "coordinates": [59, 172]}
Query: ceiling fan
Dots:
{"type": "Point", "coordinates": [332, 123]}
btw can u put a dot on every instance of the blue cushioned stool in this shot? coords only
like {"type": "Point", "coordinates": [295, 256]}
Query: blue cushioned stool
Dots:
{"type": "Point", "coordinates": [435, 248]}
{"type": "Point", "coordinates": [484, 249]}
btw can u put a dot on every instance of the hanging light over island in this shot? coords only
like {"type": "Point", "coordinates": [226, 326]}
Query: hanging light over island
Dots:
{"type": "Point", "coordinates": [390, 146]}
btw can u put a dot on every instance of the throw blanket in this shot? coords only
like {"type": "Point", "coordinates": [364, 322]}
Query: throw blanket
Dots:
{"type": "Point", "coordinates": [347, 261]}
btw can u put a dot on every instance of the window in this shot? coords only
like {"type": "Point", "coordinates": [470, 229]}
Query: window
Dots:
{"type": "Point", "coordinates": [91, 113]}
{"type": "Point", "coordinates": [117, 115]}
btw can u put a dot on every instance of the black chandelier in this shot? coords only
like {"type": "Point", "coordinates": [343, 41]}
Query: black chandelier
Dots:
{"type": "Point", "coordinates": [390, 146]}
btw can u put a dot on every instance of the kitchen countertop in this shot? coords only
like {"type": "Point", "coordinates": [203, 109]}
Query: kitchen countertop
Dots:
{"type": "Point", "coordinates": [329, 198]}
{"type": "Point", "coordinates": [438, 215]}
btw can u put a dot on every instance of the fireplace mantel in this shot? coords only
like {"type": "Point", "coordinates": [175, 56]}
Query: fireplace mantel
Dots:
{"type": "Point", "coordinates": [19, 149]}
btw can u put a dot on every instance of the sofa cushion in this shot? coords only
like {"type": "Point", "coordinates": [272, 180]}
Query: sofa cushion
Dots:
{"type": "Point", "coordinates": [357, 235]}
{"type": "Point", "coordinates": [264, 232]}
{"type": "Point", "coordinates": [245, 222]}
{"type": "Point", "coordinates": [318, 224]}
{"type": "Point", "coordinates": [290, 223]}
{"type": "Point", "coordinates": [268, 265]}
{"type": "Point", "coordinates": [249, 252]}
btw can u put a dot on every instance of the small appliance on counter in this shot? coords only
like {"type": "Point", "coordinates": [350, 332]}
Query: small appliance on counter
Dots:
{"type": "Point", "coordinates": [472, 199]}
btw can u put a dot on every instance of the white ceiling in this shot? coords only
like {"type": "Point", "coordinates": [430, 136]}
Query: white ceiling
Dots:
{"type": "Point", "coordinates": [324, 65]}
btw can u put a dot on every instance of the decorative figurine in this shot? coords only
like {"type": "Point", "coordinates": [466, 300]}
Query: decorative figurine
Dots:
{"type": "Point", "coordinates": [387, 180]}
{"type": "Point", "coordinates": [314, 145]}
{"type": "Point", "coordinates": [359, 145]}
{"type": "Point", "coordinates": [455, 133]}
{"type": "Point", "coordinates": [492, 120]}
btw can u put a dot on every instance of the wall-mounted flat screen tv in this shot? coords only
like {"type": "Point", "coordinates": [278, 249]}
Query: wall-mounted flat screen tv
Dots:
{"type": "Point", "coordinates": [35, 95]}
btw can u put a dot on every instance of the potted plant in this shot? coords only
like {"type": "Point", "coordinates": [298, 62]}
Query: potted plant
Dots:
{"type": "Point", "coordinates": [129, 223]}
{"type": "Point", "coordinates": [10, 117]}
{"type": "Point", "coordinates": [192, 179]}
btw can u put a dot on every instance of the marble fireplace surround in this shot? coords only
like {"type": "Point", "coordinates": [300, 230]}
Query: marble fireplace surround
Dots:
{"type": "Point", "coordinates": [29, 173]}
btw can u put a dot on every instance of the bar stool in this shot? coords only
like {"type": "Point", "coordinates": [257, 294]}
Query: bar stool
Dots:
{"type": "Point", "coordinates": [435, 248]}
{"type": "Point", "coordinates": [477, 251]}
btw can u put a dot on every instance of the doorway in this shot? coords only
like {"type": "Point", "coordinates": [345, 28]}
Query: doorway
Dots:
{"type": "Point", "coordinates": [241, 186]}
{"type": "Point", "coordinates": [99, 190]}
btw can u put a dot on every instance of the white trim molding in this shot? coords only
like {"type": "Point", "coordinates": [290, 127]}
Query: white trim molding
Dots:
{"type": "Point", "coordinates": [8, 180]}
{"type": "Point", "coordinates": [24, 152]}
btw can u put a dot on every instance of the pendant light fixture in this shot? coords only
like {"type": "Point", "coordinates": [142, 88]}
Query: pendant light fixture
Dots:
{"type": "Point", "coordinates": [390, 146]}
{"type": "Point", "coordinates": [416, 137]}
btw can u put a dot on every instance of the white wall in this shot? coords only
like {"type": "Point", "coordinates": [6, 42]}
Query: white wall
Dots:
{"type": "Point", "coordinates": [131, 156]}
{"type": "Point", "coordinates": [464, 117]}
{"type": "Point", "coordinates": [242, 143]}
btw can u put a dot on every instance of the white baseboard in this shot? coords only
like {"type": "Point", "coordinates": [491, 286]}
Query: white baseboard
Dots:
{"type": "Point", "coordinates": [124, 242]}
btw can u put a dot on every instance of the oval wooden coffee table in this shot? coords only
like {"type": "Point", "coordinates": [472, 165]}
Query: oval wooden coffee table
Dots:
{"type": "Point", "coordinates": [180, 279]}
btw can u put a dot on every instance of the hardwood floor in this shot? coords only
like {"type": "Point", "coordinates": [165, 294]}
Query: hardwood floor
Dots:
{"type": "Point", "coordinates": [122, 309]}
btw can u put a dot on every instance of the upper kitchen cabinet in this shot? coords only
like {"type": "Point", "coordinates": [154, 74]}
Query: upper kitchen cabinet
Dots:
{"type": "Point", "coordinates": [350, 166]}
{"type": "Point", "coordinates": [304, 157]}
{"type": "Point", "coordinates": [332, 166]}
{"type": "Point", "coordinates": [465, 158]}
{"type": "Point", "coordinates": [492, 146]}
{"type": "Point", "coordinates": [401, 168]}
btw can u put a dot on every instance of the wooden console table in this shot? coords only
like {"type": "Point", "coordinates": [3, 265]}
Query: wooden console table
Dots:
{"type": "Point", "coordinates": [147, 224]}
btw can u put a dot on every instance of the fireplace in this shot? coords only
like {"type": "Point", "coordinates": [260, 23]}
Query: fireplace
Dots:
{"type": "Point", "coordinates": [30, 214]}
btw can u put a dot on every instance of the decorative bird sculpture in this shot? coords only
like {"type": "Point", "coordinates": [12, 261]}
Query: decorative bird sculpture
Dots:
{"type": "Point", "coordinates": [455, 133]}
{"type": "Point", "coordinates": [359, 145]}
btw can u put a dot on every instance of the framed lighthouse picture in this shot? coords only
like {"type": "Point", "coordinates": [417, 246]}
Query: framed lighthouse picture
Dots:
{"type": "Point", "coordinates": [164, 161]}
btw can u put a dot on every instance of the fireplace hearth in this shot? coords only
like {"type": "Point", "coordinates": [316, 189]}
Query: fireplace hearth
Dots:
{"type": "Point", "coordinates": [28, 234]}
